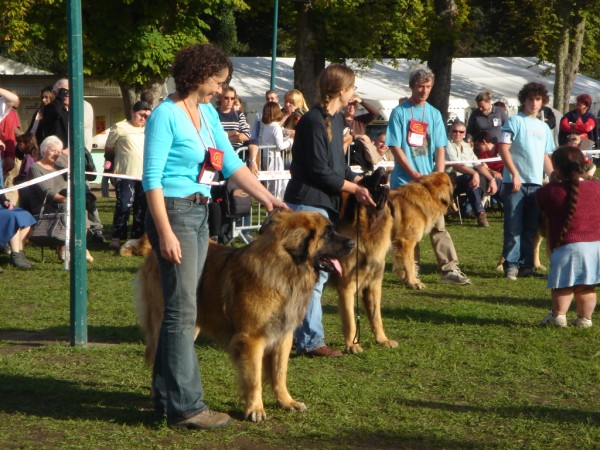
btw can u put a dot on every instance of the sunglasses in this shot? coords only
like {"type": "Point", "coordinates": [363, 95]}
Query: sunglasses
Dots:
{"type": "Point", "coordinates": [458, 131]}
{"type": "Point", "coordinates": [228, 98]}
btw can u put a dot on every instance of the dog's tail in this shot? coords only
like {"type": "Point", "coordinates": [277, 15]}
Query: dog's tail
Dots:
{"type": "Point", "coordinates": [149, 304]}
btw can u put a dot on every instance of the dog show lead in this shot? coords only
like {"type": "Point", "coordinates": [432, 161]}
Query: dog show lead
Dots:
{"type": "Point", "coordinates": [185, 145]}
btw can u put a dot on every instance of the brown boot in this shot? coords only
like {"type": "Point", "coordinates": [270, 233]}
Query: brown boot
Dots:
{"type": "Point", "coordinates": [482, 220]}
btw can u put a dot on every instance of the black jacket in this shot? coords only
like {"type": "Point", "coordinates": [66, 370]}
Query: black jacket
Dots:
{"type": "Point", "coordinates": [319, 166]}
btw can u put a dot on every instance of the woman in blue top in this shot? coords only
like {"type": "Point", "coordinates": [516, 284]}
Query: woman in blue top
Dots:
{"type": "Point", "coordinates": [181, 137]}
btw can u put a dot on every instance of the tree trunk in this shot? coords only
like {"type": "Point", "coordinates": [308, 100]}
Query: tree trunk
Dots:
{"type": "Point", "coordinates": [567, 61]}
{"type": "Point", "coordinates": [309, 61]}
{"type": "Point", "coordinates": [441, 50]}
{"type": "Point", "coordinates": [131, 94]}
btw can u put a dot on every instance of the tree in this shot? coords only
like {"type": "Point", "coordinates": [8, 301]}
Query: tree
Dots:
{"type": "Point", "coordinates": [442, 49]}
{"type": "Point", "coordinates": [130, 42]}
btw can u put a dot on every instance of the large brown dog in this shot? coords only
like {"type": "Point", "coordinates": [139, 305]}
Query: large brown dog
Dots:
{"type": "Point", "coordinates": [363, 270]}
{"type": "Point", "coordinates": [251, 299]}
{"type": "Point", "coordinates": [417, 205]}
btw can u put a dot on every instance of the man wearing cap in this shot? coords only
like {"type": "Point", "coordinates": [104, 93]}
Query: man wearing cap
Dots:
{"type": "Point", "coordinates": [126, 141]}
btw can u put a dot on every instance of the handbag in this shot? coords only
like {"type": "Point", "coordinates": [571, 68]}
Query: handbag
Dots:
{"type": "Point", "coordinates": [237, 202]}
{"type": "Point", "coordinates": [51, 228]}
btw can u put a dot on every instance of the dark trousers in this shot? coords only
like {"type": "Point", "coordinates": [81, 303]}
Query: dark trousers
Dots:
{"type": "Point", "coordinates": [130, 196]}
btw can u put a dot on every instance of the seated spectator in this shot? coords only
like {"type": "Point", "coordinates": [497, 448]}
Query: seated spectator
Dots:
{"type": "Point", "coordinates": [469, 174]}
{"type": "Point", "coordinates": [579, 121]}
{"type": "Point", "coordinates": [50, 194]}
{"type": "Point", "coordinates": [14, 227]}
{"type": "Point", "coordinates": [574, 140]}
{"type": "Point", "coordinates": [27, 151]}
{"type": "Point", "coordinates": [272, 135]}
{"type": "Point", "coordinates": [357, 125]}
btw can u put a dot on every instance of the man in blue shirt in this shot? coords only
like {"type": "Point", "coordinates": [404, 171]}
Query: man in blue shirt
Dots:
{"type": "Point", "coordinates": [416, 135]}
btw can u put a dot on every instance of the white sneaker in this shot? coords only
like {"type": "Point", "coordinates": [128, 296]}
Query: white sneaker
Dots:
{"type": "Point", "coordinates": [558, 321]}
{"type": "Point", "coordinates": [454, 276]}
{"type": "Point", "coordinates": [582, 322]}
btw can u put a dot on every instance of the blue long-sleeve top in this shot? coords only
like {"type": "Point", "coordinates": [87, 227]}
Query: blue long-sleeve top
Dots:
{"type": "Point", "coordinates": [174, 151]}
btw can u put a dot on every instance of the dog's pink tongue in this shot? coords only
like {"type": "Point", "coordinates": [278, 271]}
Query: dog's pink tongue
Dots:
{"type": "Point", "coordinates": [337, 265]}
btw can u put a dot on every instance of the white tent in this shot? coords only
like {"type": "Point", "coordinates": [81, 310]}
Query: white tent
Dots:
{"type": "Point", "coordinates": [384, 84]}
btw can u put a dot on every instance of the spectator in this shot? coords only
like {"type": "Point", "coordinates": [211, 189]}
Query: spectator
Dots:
{"type": "Point", "coordinates": [574, 140]}
{"type": "Point", "coordinates": [126, 141]}
{"type": "Point", "coordinates": [52, 193]}
{"type": "Point", "coordinates": [46, 97]}
{"type": "Point", "coordinates": [524, 146]}
{"type": "Point", "coordinates": [294, 107]}
{"type": "Point", "coordinates": [178, 128]}
{"type": "Point", "coordinates": [27, 151]}
{"type": "Point", "coordinates": [547, 115]}
{"type": "Point", "coordinates": [579, 121]}
{"type": "Point", "coordinates": [486, 117]}
{"type": "Point", "coordinates": [55, 122]}
{"type": "Point", "coordinates": [233, 122]}
{"type": "Point", "coordinates": [254, 156]}
{"type": "Point", "coordinates": [570, 204]}
{"type": "Point", "coordinates": [358, 124]}
{"type": "Point", "coordinates": [416, 135]}
{"type": "Point", "coordinates": [319, 176]}
{"type": "Point", "coordinates": [468, 175]}
{"type": "Point", "coordinates": [9, 128]}
{"type": "Point", "coordinates": [55, 115]}
{"type": "Point", "coordinates": [272, 135]}
{"type": "Point", "coordinates": [14, 227]}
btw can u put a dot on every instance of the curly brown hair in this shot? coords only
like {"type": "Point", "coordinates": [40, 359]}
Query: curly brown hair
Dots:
{"type": "Point", "coordinates": [193, 65]}
{"type": "Point", "coordinates": [533, 89]}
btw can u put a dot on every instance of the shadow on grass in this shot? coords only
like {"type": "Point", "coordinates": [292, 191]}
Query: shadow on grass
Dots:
{"type": "Point", "coordinates": [96, 335]}
{"type": "Point", "coordinates": [535, 412]}
{"type": "Point", "coordinates": [426, 315]}
{"type": "Point", "coordinates": [64, 400]}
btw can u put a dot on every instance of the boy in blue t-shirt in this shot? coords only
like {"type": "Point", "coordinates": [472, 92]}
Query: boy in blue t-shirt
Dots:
{"type": "Point", "coordinates": [524, 145]}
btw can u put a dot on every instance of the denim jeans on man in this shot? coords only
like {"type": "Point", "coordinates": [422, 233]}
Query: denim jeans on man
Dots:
{"type": "Point", "coordinates": [176, 378]}
{"type": "Point", "coordinates": [311, 334]}
{"type": "Point", "coordinates": [473, 194]}
{"type": "Point", "coordinates": [521, 215]}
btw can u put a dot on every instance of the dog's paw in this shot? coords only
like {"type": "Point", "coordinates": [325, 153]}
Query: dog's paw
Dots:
{"type": "Point", "coordinates": [416, 285]}
{"type": "Point", "coordinates": [257, 415]}
{"type": "Point", "coordinates": [389, 343]}
{"type": "Point", "coordinates": [293, 405]}
{"type": "Point", "coordinates": [354, 349]}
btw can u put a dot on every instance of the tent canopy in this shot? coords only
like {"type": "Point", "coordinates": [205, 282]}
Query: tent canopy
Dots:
{"type": "Point", "coordinates": [383, 84]}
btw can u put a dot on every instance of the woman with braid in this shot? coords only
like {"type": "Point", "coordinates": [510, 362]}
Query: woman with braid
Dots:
{"type": "Point", "coordinates": [570, 204]}
{"type": "Point", "coordinates": [319, 176]}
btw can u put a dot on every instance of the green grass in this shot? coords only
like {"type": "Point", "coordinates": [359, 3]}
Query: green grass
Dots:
{"type": "Point", "coordinates": [472, 370]}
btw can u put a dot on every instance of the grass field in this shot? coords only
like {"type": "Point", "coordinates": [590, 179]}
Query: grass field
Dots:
{"type": "Point", "coordinates": [472, 370]}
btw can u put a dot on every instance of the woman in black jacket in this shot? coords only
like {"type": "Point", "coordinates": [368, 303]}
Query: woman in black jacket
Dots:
{"type": "Point", "coordinates": [319, 176]}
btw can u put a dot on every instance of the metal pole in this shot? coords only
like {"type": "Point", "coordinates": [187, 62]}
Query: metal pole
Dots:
{"type": "Point", "coordinates": [77, 177]}
{"type": "Point", "coordinates": [274, 50]}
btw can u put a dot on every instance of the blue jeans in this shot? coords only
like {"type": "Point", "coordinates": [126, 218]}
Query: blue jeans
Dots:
{"type": "Point", "coordinates": [311, 334]}
{"type": "Point", "coordinates": [521, 215]}
{"type": "Point", "coordinates": [176, 377]}
{"type": "Point", "coordinates": [473, 194]}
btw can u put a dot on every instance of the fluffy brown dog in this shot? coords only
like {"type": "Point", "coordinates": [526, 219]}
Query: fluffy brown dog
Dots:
{"type": "Point", "coordinates": [251, 299]}
{"type": "Point", "coordinates": [417, 205]}
{"type": "Point", "coordinates": [371, 226]}
{"type": "Point", "coordinates": [136, 247]}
